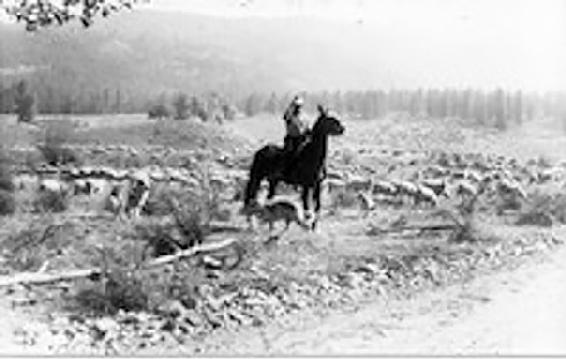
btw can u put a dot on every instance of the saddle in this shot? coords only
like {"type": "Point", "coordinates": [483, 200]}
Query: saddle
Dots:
{"type": "Point", "coordinates": [293, 153]}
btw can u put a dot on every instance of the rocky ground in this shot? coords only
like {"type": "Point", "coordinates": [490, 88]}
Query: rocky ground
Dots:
{"type": "Point", "coordinates": [344, 290]}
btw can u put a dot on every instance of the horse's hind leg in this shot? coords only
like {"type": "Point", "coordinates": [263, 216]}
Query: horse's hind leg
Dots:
{"type": "Point", "coordinates": [272, 188]}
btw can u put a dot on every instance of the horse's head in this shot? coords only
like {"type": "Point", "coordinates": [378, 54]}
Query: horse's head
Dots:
{"type": "Point", "coordinates": [327, 124]}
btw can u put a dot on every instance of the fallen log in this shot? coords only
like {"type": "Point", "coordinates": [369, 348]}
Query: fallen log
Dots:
{"type": "Point", "coordinates": [207, 248]}
{"type": "Point", "coordinates": [45, 278]}
{"type": "Point", "coordinates": [93, 273]}
{"type": "Point", "coordinates": [421, 228]}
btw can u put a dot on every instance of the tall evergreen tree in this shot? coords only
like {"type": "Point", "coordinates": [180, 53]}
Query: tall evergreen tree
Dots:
{"type": "Point", "coordinates": [25, 102]}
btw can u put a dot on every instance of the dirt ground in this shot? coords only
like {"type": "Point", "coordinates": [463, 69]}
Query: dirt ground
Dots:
{"type": "Point", "coordinates": [515, 312]}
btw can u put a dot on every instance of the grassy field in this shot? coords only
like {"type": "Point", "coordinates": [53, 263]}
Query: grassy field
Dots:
{"type": "Point", "coordinates": [345, 261]}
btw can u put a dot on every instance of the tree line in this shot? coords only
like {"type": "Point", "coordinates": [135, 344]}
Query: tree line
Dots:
{"type": "Point", "coordinates": [27, 98]}
{"type": "Point", "coordinates": [497, 108]}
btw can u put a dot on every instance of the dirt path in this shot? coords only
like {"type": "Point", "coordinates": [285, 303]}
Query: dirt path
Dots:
{"type": "Point", "coordinates": [514, 312]}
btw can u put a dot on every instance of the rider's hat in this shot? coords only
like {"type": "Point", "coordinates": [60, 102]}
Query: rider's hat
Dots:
{"type": "Point", "coordinates": [298, 101]}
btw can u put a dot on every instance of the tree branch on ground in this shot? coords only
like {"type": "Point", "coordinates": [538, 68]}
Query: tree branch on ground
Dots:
{"type": "Point", "coordinates": [95, 273]}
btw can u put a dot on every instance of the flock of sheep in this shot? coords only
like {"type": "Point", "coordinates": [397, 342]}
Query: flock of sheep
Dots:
{"type": "Point", "coordinates": [452, 175]}
{"type": "Point", "coordinates": [125, 191]}
{"type": "Point", "coordinates": [442, 175]}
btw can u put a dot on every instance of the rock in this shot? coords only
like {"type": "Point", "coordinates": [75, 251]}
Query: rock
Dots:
{"type": "Point", "coordinates": [368, 268]}
{"type": "Point", "coordinates": [129, 319]}
{"type": "Point", "coordinates": [214, 322]}
{"type": "Point", "coordinates": [191, 317]}
{"type": "Point", "coordinates": [172, 308]}
{"type": "Point", "coordinates": [169, 325]}
{"type": "Point", "coordinates": [215, 303]}
{"type": "Point", "coordinates": [106, 324]}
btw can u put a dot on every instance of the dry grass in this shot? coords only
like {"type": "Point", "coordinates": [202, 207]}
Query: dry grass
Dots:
{"type": "Point", "coordinates": [48, 201]}
{"type": "Point", "coordinates": [56, 135]}
{"type": "Point", "coordinates": [7, 197]}
{"type": "Point", "coordinates": [177, 218]}
{"type": "Point", "coordinates": [544, 210]}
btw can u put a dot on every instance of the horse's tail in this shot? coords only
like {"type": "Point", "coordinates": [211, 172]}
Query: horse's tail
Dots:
{"type": "Point", "coordinates": [257, 173]}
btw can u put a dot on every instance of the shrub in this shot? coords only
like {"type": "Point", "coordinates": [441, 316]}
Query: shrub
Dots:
{"type": "Point", "coordinates": [7, 199]}
{"type": "Point", "coordinates": [49, 201]}
{"type": "Point", "coordinates": [181, 107]}
{"type": "Point", "coordinates": [25, 103]}
{"type": "Point", "coordinates": [27, 248]}
{"type": "Point", "coordinates": [7, 202]}
{"type": "Point", "coordinates": [127, 288]}
{"type": "Point", "coordinates": [158, 111]}
{"type": "Point", "coordinates": [55, 138]}
{"type": "Point", "coordinates": [119, 290]}
{"type": "Point", "coordinates": [185, 227]}
{"type": "Point", "coordinates": [348, 157]}
{"type": "Point", "coordinates": [161, 236]}
{"type": "Point", "coordinates": [6, 176]}
{"type": "Point", "coordinates": [544, 210]}
{"type": "Point", "coordinates": [344, 199]}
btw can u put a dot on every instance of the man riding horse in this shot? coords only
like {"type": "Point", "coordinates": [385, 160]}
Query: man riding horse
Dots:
{"type": "Point", "coordinates": [305, 159]}
{"type": "Point", "coordinates": [295, 131]}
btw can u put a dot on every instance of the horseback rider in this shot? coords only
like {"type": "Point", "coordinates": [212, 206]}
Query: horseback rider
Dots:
{"type": "Point", "coordinates": [295, 128]}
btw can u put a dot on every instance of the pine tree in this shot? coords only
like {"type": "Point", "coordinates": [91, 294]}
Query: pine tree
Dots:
{"type": "Point", "coordinates": [181, 107]}
{"type": "Point", "coordinates": [25, 103]}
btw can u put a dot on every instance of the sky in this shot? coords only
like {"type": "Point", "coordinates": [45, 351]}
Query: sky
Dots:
{"type": "Point", "coordinates": [528, 35]}
{"type": "Point", "coordinates": [520, 42]}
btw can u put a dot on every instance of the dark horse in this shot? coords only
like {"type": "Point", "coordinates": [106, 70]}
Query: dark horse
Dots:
{"type": "Point", "coordinates": [307, 170]}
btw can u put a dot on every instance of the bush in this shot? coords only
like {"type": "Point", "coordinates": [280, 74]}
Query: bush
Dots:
{"type": "Point", "coordinates": [162, 237]}
{"type": "Point", "coordinates": [55, 138]}
{"type": "Point", "coordinates": [48, 201]}
{"type": "Point", "coordinates": [7, 202]}
{"type": "Point", "coordinates": [158, 111]}
{"type": "Point", "coordinates": [124, 287]}
{"type": "Point", "coordinates": [7, 199]}
{"type": "Point", "coordinates": [120, 290]}
{"type": "Point", "coordinates": [58, 155]}
{"type": "Point", "coordinates": [25, 102]}
{"type": "Point", "coordinates": [544, 210]}
{"type": "Point", "coordinates": [344, 199]}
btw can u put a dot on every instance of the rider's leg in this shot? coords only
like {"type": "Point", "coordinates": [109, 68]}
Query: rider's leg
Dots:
{"type": "Point", "coordinates": [290, 145]}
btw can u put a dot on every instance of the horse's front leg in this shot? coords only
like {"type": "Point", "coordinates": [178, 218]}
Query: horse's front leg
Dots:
{"type": "Point", "coordinates": [316, 199]}
{"type": "Point", "coordinates": [305, 196]}
{"type": "Point", "coordinates": [272, 187]}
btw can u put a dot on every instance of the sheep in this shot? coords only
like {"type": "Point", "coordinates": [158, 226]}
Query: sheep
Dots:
{"type": "Point", "coordinates": [465, 188]}
{"type": "Point", "coordinates": [54, 185]}
{"type": "Point", "coordinates": [384, 187]}
{"type": "Point", "coordinates": [472, 175]}
{"type": "Point", "coordinates": [82, 186]}
{"type": "Point", "coordinates": [358, 184]}
{"type": "Point", "coordinates": [438, 186]}
{"type": "Point", "coordinates": [425, 194]}
{"type": "Point", "coordinates": [458, 175]}
{"type": "Point", "coordinates": [366, 202]}
{"type": "Point", "coordinates": [510, 187]}
{"type": "Point", "coordinates": [335, 184]}
{"type": "Point", "coordinates": [406, 188]}
{"type": "Point", "coordinates": [97, 186]}
{"type": "Point", "coordinates": [138, 193]}
{"type": "Point", "coordinates": [334, 175]}
{"type": "Point", "coordinates": [436, 171]}
{"type": "Point", "coordinates": [114, 202]}
{"type": "Point", "coordinates": [86, 171]}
